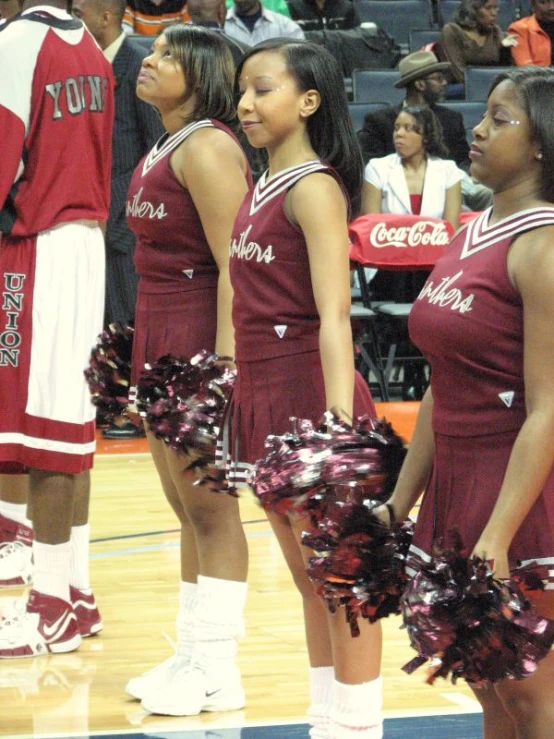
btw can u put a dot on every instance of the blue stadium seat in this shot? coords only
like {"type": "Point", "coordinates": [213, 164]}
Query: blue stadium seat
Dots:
{"type": "Point", "coordinates": [478, 81]}
{"type": "Point", "coordinates": [472, 113]}
{"type": "Point", "coordinates": [420, 37]}
{"type": "Point", "coordinates": [376, 85]}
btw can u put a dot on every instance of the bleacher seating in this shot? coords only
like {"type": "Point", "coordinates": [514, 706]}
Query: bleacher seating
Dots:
{"type": "Point", "coordinates": [472, 113]}
{"type": "Point", "coordinates": [478, 81]}
{"type": "Point", "coordinates": [377, 85]}
{"type": "Point", "coordinates": [420, 37]}
{"type": "Point", "coordinates": [396, 17]}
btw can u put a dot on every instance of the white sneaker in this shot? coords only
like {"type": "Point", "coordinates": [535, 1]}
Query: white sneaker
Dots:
{"type": "Point", "coordinates": [16, 564]}
{"type": "Point", "coordinates": [191, 691]}
{"type": "Point", "coordinates": [156, 678]}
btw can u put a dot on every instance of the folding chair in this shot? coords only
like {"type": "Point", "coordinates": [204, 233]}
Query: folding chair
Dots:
{"type": "Point", "coordinates": [395, 243]}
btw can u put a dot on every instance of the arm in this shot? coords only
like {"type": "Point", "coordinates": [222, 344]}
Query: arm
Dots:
{"type": "Point", "coordinates": [452, 45]}
{"type": "Point", "coordinates": [521, 52]}
{"type": "Point", "coordinates": [372, 198]}
{"type": "Point", "coordinates": [531, 268]}
{"type": "Point", "coordinates": [417, 465]}
{"type": "Point", "coordinates": [453, 204]}
{"type": "Point", "coordinates": [213, 169]}
{"type": "Point", "coordinates": [318, 206]}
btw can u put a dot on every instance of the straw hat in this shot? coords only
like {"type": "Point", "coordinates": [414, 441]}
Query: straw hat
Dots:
{"type": "Point", "coordinates": [417, 65]}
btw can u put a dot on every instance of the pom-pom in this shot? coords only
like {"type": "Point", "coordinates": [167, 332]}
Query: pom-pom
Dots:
{"type": "Point", "coordinates": [301, 466]}
{"type": "Point", "coordinates": [360, 562]}
{"type": "Point", "coordinates": [109, 372]}
{"type": "Point", "coordinates": [470, 624]}
{"type": "Point", "coordinates": [183, 402]}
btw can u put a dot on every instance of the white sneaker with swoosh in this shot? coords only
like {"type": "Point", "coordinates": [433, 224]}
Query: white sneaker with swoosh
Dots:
{"type": "Point", "coordinates": [48, 625]}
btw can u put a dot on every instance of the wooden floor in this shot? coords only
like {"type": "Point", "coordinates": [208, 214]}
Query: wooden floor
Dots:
{"type": "Point", "coordinates": [135, 565]}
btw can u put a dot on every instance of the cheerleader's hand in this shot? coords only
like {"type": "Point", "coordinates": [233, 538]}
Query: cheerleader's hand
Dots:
{"type": "Point", "coordinates": [496, 555]}
{"type": "Point", "coordinates": [385, 514]}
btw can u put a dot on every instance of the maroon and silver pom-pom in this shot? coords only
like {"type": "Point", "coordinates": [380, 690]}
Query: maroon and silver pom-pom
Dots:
{"type": "Point", "coordinates": [183, 402]}
{"type": "Point", "coordinates": [109, 372]}
{"type": "Point", "coordinates": [470, 624]}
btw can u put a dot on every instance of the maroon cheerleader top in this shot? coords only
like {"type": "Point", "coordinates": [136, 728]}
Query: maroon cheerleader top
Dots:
{"type": "Point", "coordinates": [172, 253]}
{"type": "Point", "coordinates": [274, 310]}
{"type": "Point", "coordinates": [468, 322]}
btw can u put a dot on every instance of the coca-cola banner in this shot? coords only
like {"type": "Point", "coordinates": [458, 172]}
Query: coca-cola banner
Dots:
{"type": "Point", "coordinates": [398, 241]}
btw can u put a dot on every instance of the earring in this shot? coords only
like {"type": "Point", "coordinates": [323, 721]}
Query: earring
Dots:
{"type": "Point", "coordinates": [539, 155]}
{"type": "Point", "coordinates": [303, 114]}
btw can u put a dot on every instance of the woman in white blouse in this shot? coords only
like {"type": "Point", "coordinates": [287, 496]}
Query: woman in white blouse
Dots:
{"type": "Point", "coordinates": [415, 179]}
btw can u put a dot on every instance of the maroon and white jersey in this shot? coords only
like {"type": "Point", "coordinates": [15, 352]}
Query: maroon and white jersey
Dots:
{"type": "Point", "coordinates": [274, 310]}
{"type": "Point", "coordinates": [468, 322]}
{"type": "Point", "coordinates": [172, 253]}
{"type": "Point", "coordinates": [56, 115]}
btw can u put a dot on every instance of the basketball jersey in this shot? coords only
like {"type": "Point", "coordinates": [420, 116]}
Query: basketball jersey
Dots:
{"type": "Point", "coordinates": [56, 116]}
{"type": "Point", "coordinates": [172, 253]}
{"type": "Point", "coordinates": [274, 310]}
{"type": "Point", "coordinates": [468, 322]}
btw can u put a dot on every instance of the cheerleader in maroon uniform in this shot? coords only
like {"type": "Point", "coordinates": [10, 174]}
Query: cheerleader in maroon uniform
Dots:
{"type": "Point", "coordinates": [182, 202]}
{"type": "Point", "coordinates": [483, 446]}
{"type": "Point", "coordinates": [291, 311]}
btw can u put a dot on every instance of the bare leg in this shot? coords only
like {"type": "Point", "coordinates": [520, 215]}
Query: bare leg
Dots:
{"type": "Point", "coordinates": [497, 724]}
{"type": "Point", "coordinates": [13, 488]}
{"type": "Point", "coordinates": [52, 496]}
{"type": "Point", "coordinates": [530, 702]}
{"type": "Point", "coordinates": [315, 611]}
{"type": "Point", "coordinates": [215, 519]}
{"type": "Point", "coordinates": [189, 559]}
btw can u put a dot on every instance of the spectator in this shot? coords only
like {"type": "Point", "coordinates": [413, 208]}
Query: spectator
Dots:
{"type": "Point", "coordinates": [248, 21]}
{"type": "Point", "coordinates": [151, 17]}
{"type": "Point", "coordinates": [417, 179]}
{"type": "Point", "coordinates": [136, 129]}
{"type": "Point", "coordinates": [56, 116]}
{"type": "Point", "coordinates": [211, 14]}
{"type": "Point", "coordinates": [423, 76]}
{"type": "Point", "coordinates": [473, 39]}
{"type": "Point", "coordinates": [316, 15]}
{"type": "Point", "coordinates": [534, 35]}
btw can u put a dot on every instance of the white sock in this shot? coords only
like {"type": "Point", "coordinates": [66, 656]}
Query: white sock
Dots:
{"type": "Point", "coordinates": [51, 562]}
{"type": "Point", "coordinates": [218, 623]}
{"type": "Point", "coordinates": [185, 618]}
{"type": "Point", "coordinates": [16, 512]}
{"type": "Point", "coordinates": [79, 558]}
{"type": "Point", "coordinates": [356, 710]}
{"type": "Point", "coordinates": [321, 686]}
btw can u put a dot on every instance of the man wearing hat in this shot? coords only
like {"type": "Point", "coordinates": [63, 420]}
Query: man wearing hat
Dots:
{"type": "Point", "coordinates": [422, 75]}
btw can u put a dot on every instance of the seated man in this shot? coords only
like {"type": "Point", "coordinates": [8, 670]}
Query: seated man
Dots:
{"type": "Point", "coordinates": [211, 14]}
{"type": "Point", "coordinates": [248, 21]}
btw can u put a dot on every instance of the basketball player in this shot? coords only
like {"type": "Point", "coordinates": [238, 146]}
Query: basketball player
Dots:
{"type": "Point", "coordinates": [291, 311]}
{"type": "Point", "coordinates": [56, 113]}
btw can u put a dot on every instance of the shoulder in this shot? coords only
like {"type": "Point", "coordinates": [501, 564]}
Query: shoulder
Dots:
{"type": "Point", "coordinates": [207, 147]}
{"type": "Point", "coordinates": [452, 31]}
{"type": "Point", "coordinates": [531, 259]}
{"type": "Point", "coordinates": [317, 193]}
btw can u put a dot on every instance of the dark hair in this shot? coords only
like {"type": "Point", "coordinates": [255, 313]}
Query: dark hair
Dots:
{"type": "Point", "coordinates": [466, 15]}
{"type": "Point", "coordinates": [534, 88]}
{"type": "Point", "coordinates": [330, 128]}
{"type": "Point", "coordinates": [429, 126]}
{"type": "Point", "coordinates": [208, 67]}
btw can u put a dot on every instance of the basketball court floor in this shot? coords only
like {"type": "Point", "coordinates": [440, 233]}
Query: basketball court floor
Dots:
{"type": "Point", "coordinates": [134, 567]}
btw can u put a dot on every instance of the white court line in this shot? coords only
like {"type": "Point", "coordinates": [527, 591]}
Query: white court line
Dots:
{"type": "Point", "coordinates": [469, 704]}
